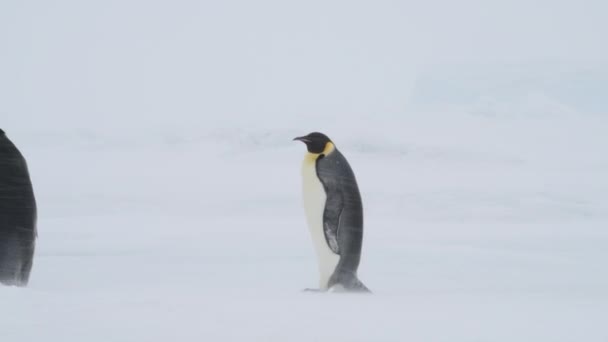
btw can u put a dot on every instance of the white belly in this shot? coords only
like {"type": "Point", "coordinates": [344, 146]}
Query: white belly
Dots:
{"type": "Point", "coordinates": [314, 205]}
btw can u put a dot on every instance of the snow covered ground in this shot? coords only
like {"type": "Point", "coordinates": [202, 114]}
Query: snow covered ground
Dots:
{"type": "Point", "coordinates": [158, 136]}
{"type": "Point", "coordinates": [477, 229]}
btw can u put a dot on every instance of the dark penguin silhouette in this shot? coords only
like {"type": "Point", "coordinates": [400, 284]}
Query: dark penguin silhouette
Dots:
{"type": "Point", "coordinates": [17, 216]}
{"type": "Point", "coordinates": [334, 213]}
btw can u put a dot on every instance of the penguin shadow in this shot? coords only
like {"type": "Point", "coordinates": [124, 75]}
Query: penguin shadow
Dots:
{"type": "Point", "coordinates": [337, 289]}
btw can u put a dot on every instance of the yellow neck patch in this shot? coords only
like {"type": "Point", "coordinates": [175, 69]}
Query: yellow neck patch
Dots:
{"type": "Point", "coordinates": [329, 148]}
{"type": "Point", "coordinates": [312, 157]}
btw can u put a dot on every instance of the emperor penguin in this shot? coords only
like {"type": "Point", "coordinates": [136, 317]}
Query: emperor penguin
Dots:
{"type": "Point", "coordinates": [17, 216]}
{"type": "Point", "coordinates": [334, 213]}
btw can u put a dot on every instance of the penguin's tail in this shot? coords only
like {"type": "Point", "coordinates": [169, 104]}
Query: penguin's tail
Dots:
{"type": "Point", "coordinates": [358, 286]}
{"type": "Point", "coordinates": [347, 282]}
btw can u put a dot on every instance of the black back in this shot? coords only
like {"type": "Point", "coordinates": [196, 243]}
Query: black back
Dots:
{"type": "Point", "coordinates": [343, 216]}
{"type": "Point", "coordinates": [17, 215]}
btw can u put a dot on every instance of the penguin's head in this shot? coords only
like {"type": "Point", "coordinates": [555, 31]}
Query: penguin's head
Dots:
{"type": "Point", "coordinates": [317, 143]}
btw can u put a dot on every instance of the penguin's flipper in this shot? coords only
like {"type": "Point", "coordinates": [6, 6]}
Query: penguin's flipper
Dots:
{"type": "Point", "coordinates": [334, 205]}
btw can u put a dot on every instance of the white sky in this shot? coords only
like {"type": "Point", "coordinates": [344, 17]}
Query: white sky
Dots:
{"type": "Point", "coordinates": [129, 62]}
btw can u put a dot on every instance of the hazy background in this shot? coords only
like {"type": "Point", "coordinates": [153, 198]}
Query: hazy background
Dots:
{"type": "Point", "coordinates": [116, 64]}
{"type": "Point", "coordinates": [158, 137]}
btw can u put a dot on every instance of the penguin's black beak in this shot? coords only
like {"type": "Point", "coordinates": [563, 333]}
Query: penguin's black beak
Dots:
{"type": "Point", "coordinates": [302, 139]}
